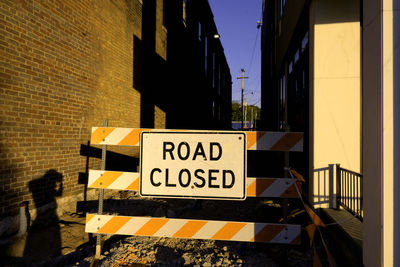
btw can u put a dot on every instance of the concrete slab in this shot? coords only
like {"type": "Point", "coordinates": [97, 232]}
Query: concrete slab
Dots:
{"type": "Point", "coordinates": [350, 224]}
{"type": "Point", "coordinates": [344, 236]}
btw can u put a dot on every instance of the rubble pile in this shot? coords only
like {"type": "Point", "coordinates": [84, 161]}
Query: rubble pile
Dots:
{"type": "Point", "coordinates": [150, 251]}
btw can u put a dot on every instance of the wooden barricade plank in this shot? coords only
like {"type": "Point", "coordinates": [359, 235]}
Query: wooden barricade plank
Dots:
{"type": "Point", "coordinates": [272, 187]}
{"type": "Point", "coordinates": [275, 141]}
{"type": "Point", "coordinates": [271, 141]}
{"type": "Point", "coordinates": [256, 186]}
{"type": "Point", "coordinates": [194, 229]}
{"type": "Point", "coordinates": [113, 180]}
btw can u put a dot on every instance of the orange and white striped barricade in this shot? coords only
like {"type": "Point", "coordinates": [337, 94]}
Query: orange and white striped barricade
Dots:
{"type": "Point", "coordinates": [256, 186]}
{"type": "Point", "coordinates": [271, 141]}
{"type": "Point", "coordinates": [198, 229]}
{"type": "Point", "coordinates": [194, 229]}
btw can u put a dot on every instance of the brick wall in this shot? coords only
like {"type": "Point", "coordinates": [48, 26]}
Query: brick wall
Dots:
{"type": "Point", "coordinates": [65, 67]}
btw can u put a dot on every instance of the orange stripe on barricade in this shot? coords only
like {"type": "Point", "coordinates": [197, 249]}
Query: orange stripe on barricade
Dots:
{"type": "Point", "coordinates": [189, 229]}
{"type": "Point", "coordinates": [272, 187]}
{"type": "Point", "coordinates": [100, 134]}
{"type": "Point", "coordinates": [114, 224]}
{"type": "Point", "coordinates": [198, 229]}
{"type": "Point", "coordinates": [134, 186]}
{"type": "Point", "coordinates": [106, 179]}
{"type": "Point", "coordinates": [258, 187]}
{"type": "Point", "coordinates": [89, 217]}
{"type": "Point", "coordinates": [113, 180]}
{"type": "Point", "coordinates": [280, 141]}
{"type": "Point", "coordinates": [133, 137]}
{"type": "Point", "coordinates": [288, 141]}
{"type": "Point", "coordinates": [152, 226]}
{"type": "Point", "coordinates": [253, 137]}
{"type": "Point", "coordinates": [228, 231]}
{"type": "Point", "coordinates": [268, 232]}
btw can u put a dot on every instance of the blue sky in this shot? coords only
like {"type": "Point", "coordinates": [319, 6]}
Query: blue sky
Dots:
{"type": "Point", "coordinates": [236, 22]}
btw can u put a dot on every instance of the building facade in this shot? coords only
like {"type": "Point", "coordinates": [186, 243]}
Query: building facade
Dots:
{"type": "Point", "coordinates": [329, 69]}
{"type": "Point", "coordinates": [67, 66]}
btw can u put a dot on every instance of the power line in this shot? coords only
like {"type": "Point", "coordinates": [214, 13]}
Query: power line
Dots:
{"type": "Point", "coordinates": [259, 23]}
{"type": "Point", "coordinates": [252, 92]}
{"type": "Point", "coordinates": [252, 53]}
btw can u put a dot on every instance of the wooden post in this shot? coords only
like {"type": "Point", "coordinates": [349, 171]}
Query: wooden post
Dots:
{"type": "Point", "coordinates": [338, 186]}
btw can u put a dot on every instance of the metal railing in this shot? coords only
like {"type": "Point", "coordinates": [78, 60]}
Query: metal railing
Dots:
{"type": "Point", "coordinates": [349, 191]}
{"type": "Point", "coordinates": [322, 193]}
{"type": "Point", "coordinates": [345, 189]}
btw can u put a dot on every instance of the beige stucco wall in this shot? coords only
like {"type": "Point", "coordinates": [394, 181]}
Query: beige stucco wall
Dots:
{"type": "Point", "coordinates": [335, 86]}
{"type": "Point", "coordinates": [381, 237]}
{"type": "Point", "coordinates": [388, 134]}
{"type": "Point", "coordinates": [342, 116]}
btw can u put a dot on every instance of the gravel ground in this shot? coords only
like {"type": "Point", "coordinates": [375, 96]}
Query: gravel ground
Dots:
{"type": "Point", "coordinates": [148, 251]}
{"type": "Point", "coordinates": [154, 251]}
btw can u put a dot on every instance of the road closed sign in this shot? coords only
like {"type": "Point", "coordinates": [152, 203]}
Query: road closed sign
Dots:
{"type": "Point", "coordinates": [198, 165]}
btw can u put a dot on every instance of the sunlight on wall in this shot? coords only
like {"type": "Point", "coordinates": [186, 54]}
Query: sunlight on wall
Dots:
{"type": "Point", "coordinates": [336, 86]}
{"type": "Point", "coordinates": [159, 118]}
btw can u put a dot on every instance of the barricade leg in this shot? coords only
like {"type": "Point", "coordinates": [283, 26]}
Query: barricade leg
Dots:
{"type": "Point", "coordinates": [101, 200]}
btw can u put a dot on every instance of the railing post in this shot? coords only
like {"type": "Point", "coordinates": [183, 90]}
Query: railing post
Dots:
{"type": "Point", "coordinates": [338, 186]}
{"type": "Point", "coordinates": [331, 183]}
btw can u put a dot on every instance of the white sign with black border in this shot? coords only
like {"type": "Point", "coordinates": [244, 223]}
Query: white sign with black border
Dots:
{"type": "Point", "coordinates": [197, 165]}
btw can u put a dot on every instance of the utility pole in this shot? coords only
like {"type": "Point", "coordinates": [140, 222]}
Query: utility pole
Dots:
{"type": "Point", "coordinates": [242, 92]}
{"type": "Point", "coordinates": [251, 125]}
{"type": "Point", "coordinates": [245, 108]}
{"type": "Point", "coordinates": [255, 122]}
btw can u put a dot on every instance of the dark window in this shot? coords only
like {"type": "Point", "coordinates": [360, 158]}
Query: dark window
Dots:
{"type": "Point", "coordinates": [205, 54]}
{"type": "Point", "coordinates": [219, 79]}
{"type": "Point", "coordinates": [213, 69]}
{"type": "Point", "coordinates": [199, 29]}
{"type": "Point", "coordinates": [164, 14]}
{"type": "Point", "coordinates": [281, 6]}
{"type": "Point", "coordinates": [282, 101]}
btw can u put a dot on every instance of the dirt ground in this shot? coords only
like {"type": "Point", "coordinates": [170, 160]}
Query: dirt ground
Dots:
{"type": "Point", "coordinates": [46, 240]}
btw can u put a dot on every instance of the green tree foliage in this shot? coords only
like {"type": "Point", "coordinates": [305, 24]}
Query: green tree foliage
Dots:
{"type": "Point", "coordinates": [236, 111]}
{"type": "Point", "coordinates": [253, 112]}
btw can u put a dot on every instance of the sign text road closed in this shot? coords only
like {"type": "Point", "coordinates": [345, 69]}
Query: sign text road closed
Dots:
{"type": "Point", "coordinates": [209, 165]}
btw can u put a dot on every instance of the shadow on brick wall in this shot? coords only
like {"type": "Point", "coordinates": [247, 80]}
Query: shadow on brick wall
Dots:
{"type": "Point", "coordinates": [9, 196]}
{"type": "Point", "coordinates": [115, 162]}
{"type": "Point", "coordinates": [44, 192]}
